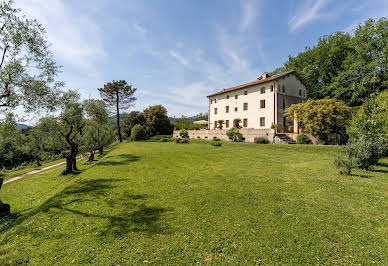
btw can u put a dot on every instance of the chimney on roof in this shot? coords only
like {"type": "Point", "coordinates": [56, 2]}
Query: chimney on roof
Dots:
{"type": "Point", "coordinates": [263, 76]}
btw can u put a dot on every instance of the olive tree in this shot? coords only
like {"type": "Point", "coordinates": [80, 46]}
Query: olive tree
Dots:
{"type": "Point", "coordinates": [27, 68]}
{"type": "Point", "coordinates": [98, 133]}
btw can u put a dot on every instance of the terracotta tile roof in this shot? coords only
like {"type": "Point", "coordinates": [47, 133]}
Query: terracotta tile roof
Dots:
{"type": "Point", "coordinates": [259, 81]}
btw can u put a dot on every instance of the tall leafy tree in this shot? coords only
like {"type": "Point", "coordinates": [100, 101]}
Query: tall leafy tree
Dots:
{"type": "Point", "coordinates": [157, 121]}
{"type": "Point", "coordinates": [98, 133]}
{"type": "Point", "coordinates": [371, 119]}
{"type": "Point", "coordinates": [118, 95]}
{"type": "Point", "coordinates": [344, 66]}
{"type": "Point", "coordinates": [27, 68]}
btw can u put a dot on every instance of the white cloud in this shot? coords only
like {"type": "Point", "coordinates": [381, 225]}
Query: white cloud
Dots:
{"type": "Point", "coordinates": [250, 11]}
{"type": "Point", "coordinates": [308, 11]}
{"type": "Point", "coordinates": [178, 57]}
{"type": "Point", "coordinates": [75, 38]}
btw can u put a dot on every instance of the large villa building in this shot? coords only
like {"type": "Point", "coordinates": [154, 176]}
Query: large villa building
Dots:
{"type": "Point", "coordinates": [258, 104]}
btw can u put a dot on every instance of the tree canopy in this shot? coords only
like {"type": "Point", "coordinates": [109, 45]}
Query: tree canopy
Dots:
{"type": "Point", "coordinates": [157, 120]}
{"type": "Point", "coordinates": [321, 117]}
{"type": "Point", "coordinates": [344, 66]}
{"type": "Point", "coordinates": [27, 68]}
{"type": "Point", "coordinates": [118, 95]}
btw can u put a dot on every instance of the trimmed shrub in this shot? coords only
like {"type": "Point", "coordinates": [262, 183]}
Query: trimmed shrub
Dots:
{"type": "Point", "coordinates": [234, 135]}
{"type": "Point", "coordinates": [216, 139]}
{"type": "Point", "coordinates": [165, 139]}
{"type": "Point", "coordinates": [184, 134]}
{"type": "Point", "coordinates": [138, 133]}
{"type": "Point", "coordinates": [261, 140]}
{"type": "Point", "coordinates": [216, 143]}
{"type": "Point", "coordinates": [303, 139]}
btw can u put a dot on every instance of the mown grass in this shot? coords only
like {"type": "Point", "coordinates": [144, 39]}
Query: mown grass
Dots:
{"type": "Point", "coordinates": [167, 203]}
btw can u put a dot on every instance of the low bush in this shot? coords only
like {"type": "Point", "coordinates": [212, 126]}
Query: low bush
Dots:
{"type": "Point", "coordinates": [138, 133]}
{"type": "Point", "coordinates": [216, 143]}
{"type": "Point", "coordinates": [185, 141]}
{"type": "Point", "coordinates": [177, 140]}
{"type": "Point", "coordinates": [303, 139]}
{"type": "Point", "coordinates": [261, 141]}
{"type": "Point", "coordinates": [216, 139]}
{"type": "Point", "coordinates": [160, 137]}
{"type": "Point", "coordinates": [165, 139]}
{"type": "Point", "coordinates": [361, 153]}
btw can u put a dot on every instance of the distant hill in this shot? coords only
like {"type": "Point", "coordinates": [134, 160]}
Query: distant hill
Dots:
{"type": "Point", "coordinates": [112, 119]}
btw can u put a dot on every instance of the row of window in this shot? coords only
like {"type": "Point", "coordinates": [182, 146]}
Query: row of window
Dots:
{"type": "Point", "coordinates": [262, 91]}
{"type": "Point", "coordinates": [245, 107]}
{"type": "Point", "coordinates": [245, 123]}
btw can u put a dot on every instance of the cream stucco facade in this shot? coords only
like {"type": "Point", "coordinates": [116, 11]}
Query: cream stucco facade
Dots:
{"type": "Point", "coordinates": [258, 104]}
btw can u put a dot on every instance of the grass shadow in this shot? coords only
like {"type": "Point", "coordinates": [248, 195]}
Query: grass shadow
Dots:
{"type": "Point", "coordinates": [126, 212]}
{"type": "Point", "coordinates": [120, 159]}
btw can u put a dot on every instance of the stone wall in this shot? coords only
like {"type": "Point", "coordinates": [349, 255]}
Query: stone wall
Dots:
{"type": "Point", "coordinates": [248, 133]}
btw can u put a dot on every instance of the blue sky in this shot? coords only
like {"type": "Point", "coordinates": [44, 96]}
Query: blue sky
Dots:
{"type": "Point", "coordinates": [176, 52]}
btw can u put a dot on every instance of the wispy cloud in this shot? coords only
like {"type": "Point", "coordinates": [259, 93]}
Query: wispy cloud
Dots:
{"type": "Point", "coordinates": [75, 39]}
{"type": "Point", "coordinates": [250, 11]}
{"type": "Point", "coordinates": [178, 57]}
{"type": "Point", "coordinates": [308, 11]}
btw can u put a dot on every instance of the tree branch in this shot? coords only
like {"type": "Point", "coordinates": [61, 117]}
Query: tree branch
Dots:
{"type": "Point", "coordinates": [2, 59]}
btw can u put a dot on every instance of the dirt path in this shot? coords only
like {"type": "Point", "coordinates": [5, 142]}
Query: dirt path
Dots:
{"type": "Point", "coordinates": [33, 172]}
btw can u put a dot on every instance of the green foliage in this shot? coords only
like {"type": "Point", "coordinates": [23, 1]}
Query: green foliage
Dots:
{"type": "Point", "coordinates": [348, 68]}
{"type": "Point", "coordinates": [160, 137]}
{"type": "Point", "coordinates": [321, 117]}
{"type": "Point", "coordinates": [157, 121]}
{"type": "Point", "coordinates": [118, 95]}
{"type": "Point", "coordinates": [303, 139]}
{"type": "Point", "coordinates": [361, 153]}
{"type": "Point", "coordinates": [12, 144]}
{"type": "Point", "coordinates": [45, 142]}
{"type": "Point", "coordinates": [216, 143]}
{"type": "Point", "coordinates": [370, 119]}
{"type": "Point", "coordinates": [27, 68]}
{"type": "Point", "coordinates": [183, 133]}
{"type": "Point", "coordinates": [261, 141]}
{"type": "Point", "coordinates": [181, 140]}
{"type": "Point", "coordinates": [98, 133]}
{"type": "Point", "coordinates": [220, 123]}
{"type": "Point", "coordinates": [185, 141]}
{"type": "Point", "coordinates": [138, 133]}
{"type": "Point", "coordinates": [165, 139]}
{"type": "Point", "coordinates": [234, 135]}
{"type": "Point", "coordinates": [216, 139]}
{"type": "Point", "coordinates": [236, 123]}
{"type": "Point", "coordinates": [133, 118]}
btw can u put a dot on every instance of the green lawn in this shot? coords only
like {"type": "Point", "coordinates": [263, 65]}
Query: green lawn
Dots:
{"type": "Point", "coordinates": [166, 203]}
